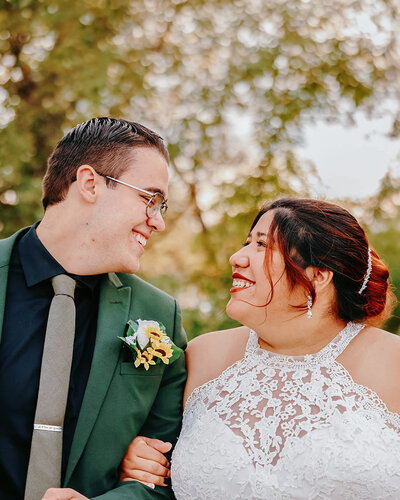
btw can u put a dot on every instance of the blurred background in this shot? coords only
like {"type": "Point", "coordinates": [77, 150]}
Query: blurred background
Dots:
{"type": "Point", "coordinates": [257, 99]}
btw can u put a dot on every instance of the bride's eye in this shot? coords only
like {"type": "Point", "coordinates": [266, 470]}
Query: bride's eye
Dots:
{"type": "Point", "coordinates": [262, 244]}
{"type": "Point", "coordinates": [246, 243]}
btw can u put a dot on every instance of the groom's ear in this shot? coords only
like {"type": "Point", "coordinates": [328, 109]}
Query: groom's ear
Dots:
{"type": "Point", "coordinates": [87, 183]}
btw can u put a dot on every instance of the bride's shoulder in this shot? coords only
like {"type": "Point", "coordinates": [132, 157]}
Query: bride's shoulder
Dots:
{"type": "Point", "coordinates": [384, 349]}
{"type": "Point", "coordinates": [380, 347]}
{"type": "Point", "coordinates": [374, 361]}
{"type": "Point", "coordinates": [228, 339]}
{"type": "Point", "coordinates": [209, 354]}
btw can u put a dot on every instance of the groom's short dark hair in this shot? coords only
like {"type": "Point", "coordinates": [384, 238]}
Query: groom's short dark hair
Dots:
{"type": "Point", "coordinates": [102, 143]}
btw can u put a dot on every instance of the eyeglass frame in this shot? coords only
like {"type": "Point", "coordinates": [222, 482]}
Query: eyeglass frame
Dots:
{"type": "Point", "coordinates": [161, 208]}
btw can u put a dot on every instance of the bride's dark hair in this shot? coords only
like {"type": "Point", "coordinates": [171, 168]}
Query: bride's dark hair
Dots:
{"type": "Point", "coordinates": [321, 234]}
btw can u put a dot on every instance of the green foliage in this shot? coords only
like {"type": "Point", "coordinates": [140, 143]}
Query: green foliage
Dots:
{"type": "Point", "coordinates": [230, 84]}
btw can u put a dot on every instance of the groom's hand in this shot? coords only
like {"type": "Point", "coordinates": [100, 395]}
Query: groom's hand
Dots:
{"type": "Point", "coordinates": [63, 494]}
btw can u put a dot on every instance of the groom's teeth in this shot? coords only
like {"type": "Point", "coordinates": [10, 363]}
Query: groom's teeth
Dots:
{"type": "Point", "coordinates": [241, 283]}
{"type": "Point", "coordinates": [141, 239]}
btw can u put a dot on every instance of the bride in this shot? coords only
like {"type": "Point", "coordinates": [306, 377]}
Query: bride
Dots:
{"type": "Point", "coordinates": [303, 401]}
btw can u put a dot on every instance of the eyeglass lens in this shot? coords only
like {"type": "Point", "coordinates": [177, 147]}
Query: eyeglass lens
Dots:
{"type": "Point", "coordinates": [156, 204]}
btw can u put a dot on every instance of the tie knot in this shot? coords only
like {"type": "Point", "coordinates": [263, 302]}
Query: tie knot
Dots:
{"type": "Point", "coordinates": [63, 285]}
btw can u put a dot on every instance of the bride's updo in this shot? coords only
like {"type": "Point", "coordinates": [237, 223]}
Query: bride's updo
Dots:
{"type": "Point", "coordinates": [321, 234]}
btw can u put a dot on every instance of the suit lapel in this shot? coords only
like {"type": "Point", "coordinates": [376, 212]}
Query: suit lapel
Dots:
{"type": "Point", "coordinates": [6, 247]}
{"type": "Point", "coordinates": [114, 305]}
{"type": "Point", "coordinates": [3, 290]}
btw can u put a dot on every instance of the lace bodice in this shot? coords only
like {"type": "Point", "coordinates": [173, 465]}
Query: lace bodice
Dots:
{"type": "Point", "coordinates": [287, 427]}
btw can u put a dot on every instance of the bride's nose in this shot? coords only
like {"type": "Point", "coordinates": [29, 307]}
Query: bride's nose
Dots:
{"type": "Point", "coordinates": [239, 259]}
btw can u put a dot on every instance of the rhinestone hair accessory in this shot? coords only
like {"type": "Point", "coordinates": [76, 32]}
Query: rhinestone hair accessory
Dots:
{"type": "Point", "coordinates": [367, 274]}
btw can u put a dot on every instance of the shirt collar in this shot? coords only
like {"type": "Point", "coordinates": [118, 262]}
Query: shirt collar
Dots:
{"type": "Point", "coordinates": [39, 265]}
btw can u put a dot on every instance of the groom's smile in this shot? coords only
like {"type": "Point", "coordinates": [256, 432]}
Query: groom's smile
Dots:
{"type": "Point", "coordinates": [140, 238]}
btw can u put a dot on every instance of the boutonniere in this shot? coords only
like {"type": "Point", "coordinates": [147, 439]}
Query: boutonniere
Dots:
{"type": "Point", "coordinates": [150, 343]}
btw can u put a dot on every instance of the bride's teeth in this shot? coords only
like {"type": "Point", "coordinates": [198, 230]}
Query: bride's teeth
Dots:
{"type": "Point", "coordinates": [241, 283]}
{"type": "Point", "coordinates": [141, 239]}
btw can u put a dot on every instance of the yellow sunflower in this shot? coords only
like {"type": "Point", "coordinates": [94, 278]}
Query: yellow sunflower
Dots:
{"type": "Point", "coordinates": [161, 350]}
{"type": "Point", "coordinates": [145, 358]}
{"type": "Point", "coordinates": [153, 332]}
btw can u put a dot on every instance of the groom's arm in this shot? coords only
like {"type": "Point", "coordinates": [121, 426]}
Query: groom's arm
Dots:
{"type": "Point", "coordinates": [164, 421]}
{"type": "Point", "coordinates": [165, 418]}
{"type": "Point", "coordinates": [132, 491]}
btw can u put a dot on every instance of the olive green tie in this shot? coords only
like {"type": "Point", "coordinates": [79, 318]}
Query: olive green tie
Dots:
{"type": "Point", "coordinates": [44, 470]}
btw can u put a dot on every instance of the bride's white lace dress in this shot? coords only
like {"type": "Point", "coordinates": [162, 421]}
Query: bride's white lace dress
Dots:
{"type": "Point", "coordinates": [287, 427]}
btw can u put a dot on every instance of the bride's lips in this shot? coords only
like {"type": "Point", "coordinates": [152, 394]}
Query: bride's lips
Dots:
{"type": "Point", "coordinates": [240, 282]}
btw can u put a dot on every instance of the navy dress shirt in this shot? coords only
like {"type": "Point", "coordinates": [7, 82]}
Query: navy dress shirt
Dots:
{"type": "Point", "coordinates": [28, 297]}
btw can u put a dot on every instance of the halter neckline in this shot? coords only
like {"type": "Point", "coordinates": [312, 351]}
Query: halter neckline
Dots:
{"type": "Point", "coordinates": [330, 351]}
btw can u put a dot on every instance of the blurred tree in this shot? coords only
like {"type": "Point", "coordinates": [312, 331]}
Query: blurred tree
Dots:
{"type": "Point", "coordinates": [228, 83]}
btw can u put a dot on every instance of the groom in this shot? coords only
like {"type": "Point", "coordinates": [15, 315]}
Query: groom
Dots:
{"type": "Point", "coordinates": [104, 194]}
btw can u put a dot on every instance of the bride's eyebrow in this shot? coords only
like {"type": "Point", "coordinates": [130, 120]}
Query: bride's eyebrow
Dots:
{"type": "Point", "coordinates": [258, 234]}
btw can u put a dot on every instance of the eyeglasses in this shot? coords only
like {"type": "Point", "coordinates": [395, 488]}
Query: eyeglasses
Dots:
{"type": "Point", "coordinates": [156, 201]}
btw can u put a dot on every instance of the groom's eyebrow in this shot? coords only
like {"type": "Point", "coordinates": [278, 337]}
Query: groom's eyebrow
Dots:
{"type": "Point", "coordinates": [156, 190]}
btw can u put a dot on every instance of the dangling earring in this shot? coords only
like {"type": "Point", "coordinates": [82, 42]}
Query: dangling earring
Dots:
{"type": "Point", "coordinates": [309, 306]}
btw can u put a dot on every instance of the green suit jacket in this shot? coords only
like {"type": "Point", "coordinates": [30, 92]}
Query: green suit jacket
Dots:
{"type": "Point", "coordinates": [120, 401]}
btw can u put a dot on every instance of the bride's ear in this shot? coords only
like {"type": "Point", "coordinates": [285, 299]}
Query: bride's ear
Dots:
{"type": "Point", "coordinates": [320, 278]}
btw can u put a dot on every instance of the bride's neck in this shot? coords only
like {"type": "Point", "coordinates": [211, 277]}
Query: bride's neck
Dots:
{"type": "Point", "coordinates": [299, 336]}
